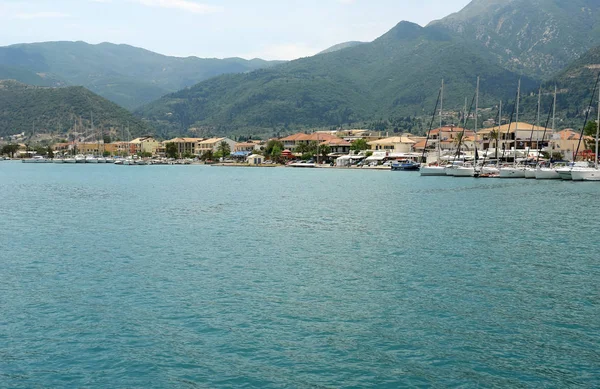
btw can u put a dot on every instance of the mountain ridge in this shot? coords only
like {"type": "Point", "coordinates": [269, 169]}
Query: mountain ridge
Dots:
{"type": "Point", "coordinates": [125, 74]}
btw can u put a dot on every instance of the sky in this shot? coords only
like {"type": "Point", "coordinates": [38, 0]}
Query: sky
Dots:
{"type": "Point", "coordinates": [268, 29]}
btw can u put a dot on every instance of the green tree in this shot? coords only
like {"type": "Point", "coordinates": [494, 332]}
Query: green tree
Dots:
{"type": "Point", "coordinates": [50, 152]}
{"type": "Point", "coordinates": [590, 130]}
{"type": "Point", "coordinates": [106, 154]}
{"type": "Point", "coordinates": [359, 145]}
{"type": "Point", "coordinates": [272, 145]}
{"type": "Point", "coordinates": [207, 155]}
{"type": "Point", "coordinates": [224, 149]}
{"type": "Point", "coordinates": [171, 150]}
{"type": "Point", "coordinates": [324, 150]}
{"type": "Point", "coordinates": [187, 154]}
{"type": "Point", "coordinates": [10, 149]}
{"type": "Point", "coordinates": [302, 148]}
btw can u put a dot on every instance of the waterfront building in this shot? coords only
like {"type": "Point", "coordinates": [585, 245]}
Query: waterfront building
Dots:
{"type": "Point", "coordinates": [212, 145]}
{"type": "Point", "coordinates": [395, 144]}
{"type": "Point", "coordinates": [186, 145]}
{"type": "Point", "coordinates": [517, 136]}
{"type": "Point", "coordinates": [255, 159]}
{"type": "Point", "coordinates": [291, 142]}
{"type": "Point", "coordinates": [145, 144]}
{"type": "Point", "coordinates": [337, 146]}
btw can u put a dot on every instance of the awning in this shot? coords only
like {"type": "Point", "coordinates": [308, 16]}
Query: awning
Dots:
{"type": "Point", "coordinates": [241, 153]}
{"type": "Point", "coordinates": [376, 158]}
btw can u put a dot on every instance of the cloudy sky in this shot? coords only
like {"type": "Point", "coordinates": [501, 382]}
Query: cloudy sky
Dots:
{"type": "Point", "coordinates": [270, 29]}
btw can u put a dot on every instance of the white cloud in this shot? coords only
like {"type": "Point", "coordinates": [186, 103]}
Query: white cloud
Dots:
{"type": "Point", "coordinates": [185, 5]}
{"type": "Point", "coordinates": [40, 15]}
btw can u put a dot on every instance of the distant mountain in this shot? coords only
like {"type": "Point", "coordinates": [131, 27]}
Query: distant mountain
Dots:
{"type": "Point", "coordinates": [56, 110]}
{"type": "Point", "coordinates": [397, 75]}
{"type": "Point", "coordinates": [533, 37]}
{"type": "Point", "coordinates": [124, 74]}
{"type": "Point", "coordinates": [341, 46]}
{"type": "Point", "coordinates": [575, 84]}
{"type": "Point", "coordinates": [26, 76]}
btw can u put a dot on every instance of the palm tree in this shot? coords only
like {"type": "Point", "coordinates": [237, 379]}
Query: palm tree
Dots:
{"type": "Point", "coordinates": [224, 149]}
{"type": "Point", "coordinates": [495, 135]}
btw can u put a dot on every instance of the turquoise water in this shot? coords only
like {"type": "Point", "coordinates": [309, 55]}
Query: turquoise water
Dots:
{"type": "Point", "coordinates": [193, 276]}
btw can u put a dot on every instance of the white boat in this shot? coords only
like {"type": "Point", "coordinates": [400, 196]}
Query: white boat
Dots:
{"type": "Point", "coordinates": [583, 174]}
{"type": "Point", "coordinates": [464, 171]}
{"type": "Point", "coordinates": [512, 172]}
{"type": "Point", "coordinates": [490, 169]}
{"type": "Point", "coordinates": [590, 173]}
{"type": "Point", "coordinates": [530, 172]}
{"type": "Point", "coordinates": [79, 158]}
{"type": "Point", "coordinates": [119, 162]}
{"type": "Point", "coordinates": [91, 159]}
{"type": "Point", "coordinates": [109, 160]}
{"type": "Point", "coordinates": [37, 159]}
{"type": "Point", "coordinates": [302, 164]}
{"type": "Point", "coordinates": [69, 160]}
{"type": "Point", "coordinates": [58, 160]}
{"type": "Point", "coordinates": [433, 170]}
{"type": "Point", "coordinates": [546, 173]}
{"type": "Point", "coordinates": [101, 160]}
{"type": "Point", "coordinates": [565, 172]}
{"type": "Point", "coordinates": [141, 162]}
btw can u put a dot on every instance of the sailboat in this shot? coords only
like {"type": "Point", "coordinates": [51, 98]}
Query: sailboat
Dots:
{"type": "Point", "coordinates": [530, 170]}
{"type": "Point", "coordinates": [514, 171]}
{"type": "Point", "coordinates": [566, 173]}
{"type": "Point", "coordinates": [468, 170]}
{"type": "Point", "coordinates": [548, 172]}
{"type": "Point", "coordinates": [438, 169]}
{"type": "Point", "coordinates": [590, 174]}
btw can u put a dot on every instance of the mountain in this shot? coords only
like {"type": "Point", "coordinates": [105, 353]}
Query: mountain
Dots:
{"type": "Point", "coordinates": [341, 46]}
{"type": "Point", "coordinates": [397, 75]}
{"type": "Point", "coordinates": [126, 75]}
{"type": "Point", "coordinates": [56, 110]}
{"type": "Point", "coordinates": [26, 76]}
{"type": "Point", "coordinates": [533, 37]}
{"type": "Point", "coordinates": [574, 84]}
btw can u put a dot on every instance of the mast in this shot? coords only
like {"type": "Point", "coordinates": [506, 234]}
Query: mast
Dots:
{"type": "Point", "coordinates": [553, 121]}
{"type": "Point", "coordinates": [597, 130]}
{"type": "Point", "coordinates": [517, 120]}
{"type": "Point", "coordinates": [536, 124]}
{"type": "Point", "coordinates": [476, 111]}
{"type": "Point", "coordinates": [441, 121]}
{"type": "Point", "coordinates": [498, 135]}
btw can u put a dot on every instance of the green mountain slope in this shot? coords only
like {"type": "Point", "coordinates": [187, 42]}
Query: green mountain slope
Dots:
{"type": "Point", "coordinates": [341, 46]}
{"type": "Point", "coordinates": [533, 37]}
{"type": "Point", "coordinates": [396, 75]}
{"type": "Point", "coordinates": [26, 76]}
{"type": "Point", "coordinates": [127, 75]}
{"type": "Point", "coordinates": [55, 110]}
{"type": "Point", "coordinates": [574, 84]}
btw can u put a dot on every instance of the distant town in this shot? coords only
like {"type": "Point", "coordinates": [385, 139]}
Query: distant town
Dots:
{"type": "Point", "coordinates": [340, 148]}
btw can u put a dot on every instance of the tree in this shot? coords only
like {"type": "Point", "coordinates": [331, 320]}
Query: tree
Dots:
{"type": "Point", "coordinates": [359, 145]}
{"type": "Point", "coordinates": [302, 148]}
{"type": "Point", "coordinates": [590, 130]}
{"type": "Point", "coordinates": [10, 149]}
{"type": "Point", "coordinates": [495, 135]}
{"type": "Point", "coordinates": [271, 146]}
{"type": "Point", "coordinates": [50, 152]}
{"type": "Point", "coordinates": [224, 149]}
{"type": "Point", "coordinates": [324, 150]}
{"type": "Point", "coordinates": [207, 155]}
{"type": "Point", "coordinates": [171, 150]}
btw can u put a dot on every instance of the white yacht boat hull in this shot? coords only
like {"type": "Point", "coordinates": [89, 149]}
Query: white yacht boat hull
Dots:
{"type": "Point", "coordinates": [564, 173]}
{"type": "Point", "coordinates": [589, 174]}
{"type": "Point", "coordinates": [433, 171]}
{"type": "Point", "coordinates": [530, 173]}
{"type": "Point", "coordinates": [512, 172]}
{"type": "Point", "coordinates": [546, 174]}
{"type": "Point", "coordinates": [464, 171]}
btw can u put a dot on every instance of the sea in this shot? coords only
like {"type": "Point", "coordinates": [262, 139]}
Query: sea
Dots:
{"type": "Point", "coordinates": [224, 277]}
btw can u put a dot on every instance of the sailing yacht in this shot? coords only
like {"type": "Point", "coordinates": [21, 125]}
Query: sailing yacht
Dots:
{"type": "Point", "coordinates": [438, 169]}
{"type": "Point", "coordinates": [591, 173]}
{"type": "Point", "coordinates": [515, 171]}
{"type": "Point", "coordinates": [469, 169]}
